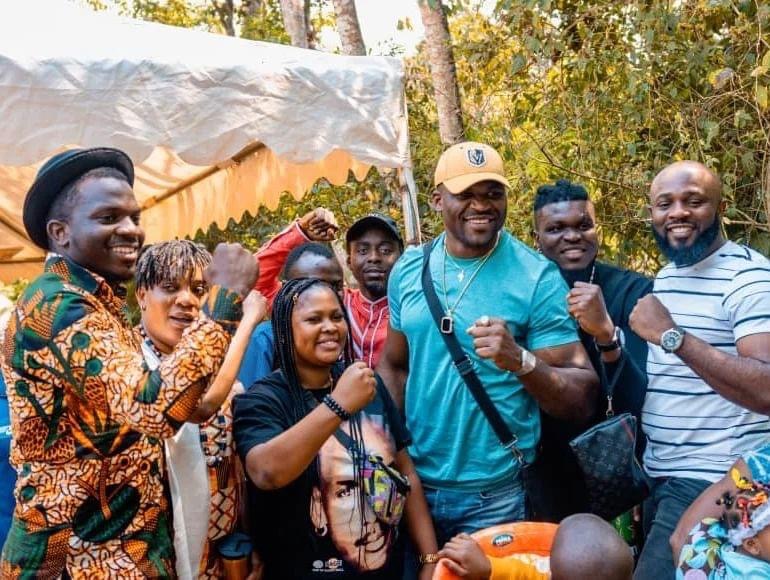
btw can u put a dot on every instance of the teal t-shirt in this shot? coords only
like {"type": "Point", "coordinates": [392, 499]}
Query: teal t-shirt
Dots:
{"type": "Point", "coordinates": [453, 444]}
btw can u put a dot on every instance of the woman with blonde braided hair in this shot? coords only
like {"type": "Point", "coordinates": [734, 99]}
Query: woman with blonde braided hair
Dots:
{"type": "Point", "coordinates": [324, 449]}
{"type": "Point", "coordinates": [204, 474]}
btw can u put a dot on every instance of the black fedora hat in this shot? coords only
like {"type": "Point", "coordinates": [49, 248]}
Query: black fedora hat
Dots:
{"type": "Point", "coordinates": [56, 174]}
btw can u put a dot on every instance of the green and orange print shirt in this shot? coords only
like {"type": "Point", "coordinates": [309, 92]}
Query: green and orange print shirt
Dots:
{"type": "Point", "coordinates": [88, 420]}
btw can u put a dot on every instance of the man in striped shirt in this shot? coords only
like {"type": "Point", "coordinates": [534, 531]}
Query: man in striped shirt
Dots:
{"type": "Point", "coordinates": [708, 325]}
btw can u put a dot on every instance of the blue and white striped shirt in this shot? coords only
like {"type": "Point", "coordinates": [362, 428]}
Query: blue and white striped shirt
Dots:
{"type": "Point", "coordinates": [692, 431]}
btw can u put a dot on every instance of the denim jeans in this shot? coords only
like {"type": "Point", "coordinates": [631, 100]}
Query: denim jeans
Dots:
{"type": "Point", "coordinates": [669, 498]}
{"type": "Point", "coordinates": [456, 511]}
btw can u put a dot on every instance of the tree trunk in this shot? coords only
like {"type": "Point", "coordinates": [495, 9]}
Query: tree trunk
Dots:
{"type": "Point", "coordinates": [296, 22]}
{"type": "Point", "coordinates": [348, 28]}
{"type": "Point", "coordinates": [226, 12]}
{"type": "Point", "coordinates": [442, 68]}
{"type": "Point", "coordinates": [251, 7]}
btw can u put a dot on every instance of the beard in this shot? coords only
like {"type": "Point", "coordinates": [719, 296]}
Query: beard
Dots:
{"type": "Point", "coordinates": [692, 254]}
{"type": "Point", "coordinates": [377, 289]}
{"type": "Point", "coordinates": [578, 275]}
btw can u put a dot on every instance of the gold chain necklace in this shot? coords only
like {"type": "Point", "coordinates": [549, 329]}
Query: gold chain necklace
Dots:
{"type": "Point", "coordinates": [447, 322]}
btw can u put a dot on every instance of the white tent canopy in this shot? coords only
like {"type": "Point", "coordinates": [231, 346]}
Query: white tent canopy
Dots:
{"type": "Point", "coordinates": [216, 125]}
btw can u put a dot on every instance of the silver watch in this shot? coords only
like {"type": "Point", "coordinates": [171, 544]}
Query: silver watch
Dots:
{"type": "Point", "coordinates": [672, 339]}
{"type": "Point", "coordinates": [528, 363]}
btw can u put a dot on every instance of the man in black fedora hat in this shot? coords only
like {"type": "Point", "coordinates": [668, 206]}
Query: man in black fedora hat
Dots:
{"type": "Point", "coordinates": [88, 417]}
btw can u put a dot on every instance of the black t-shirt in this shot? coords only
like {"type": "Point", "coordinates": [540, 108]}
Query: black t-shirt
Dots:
{"type": "Point", "coordinates": [315, 527]}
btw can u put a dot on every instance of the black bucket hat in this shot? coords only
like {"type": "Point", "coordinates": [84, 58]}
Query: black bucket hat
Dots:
{"type": "Point", "coordinates": [56, 174]}
{"type": "Point", "coordinates": [372, 221]}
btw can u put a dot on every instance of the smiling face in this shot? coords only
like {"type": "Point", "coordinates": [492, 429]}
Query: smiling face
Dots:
{"type": "Point", "coordinates": [170, 307]}
{"type": "Point", "coordinates": [472, 218]}
{"type": "Point", "coordinates": [371, 257]}
{"type": "Point", "coordinates": [684, 207]}
{"type": "Point", "coordinates": [102, 232]}
{"type": "Point", "coordinates": [319, 329]}
{"type": "Point", "coordinates": [566, 233]}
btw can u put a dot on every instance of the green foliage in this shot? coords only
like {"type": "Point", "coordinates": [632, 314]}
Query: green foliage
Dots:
{"type": "Point", "coordinates": [13, 289]}
{"type": "Point", "coordinates": [604, 93]}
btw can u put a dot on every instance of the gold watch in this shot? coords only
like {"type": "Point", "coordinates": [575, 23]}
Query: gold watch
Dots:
{"type": "Point", "coordinates": [428, 558]}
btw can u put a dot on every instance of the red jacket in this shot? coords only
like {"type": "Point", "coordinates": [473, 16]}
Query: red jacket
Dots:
{"type": "Point", "coordinates": [369, 320]}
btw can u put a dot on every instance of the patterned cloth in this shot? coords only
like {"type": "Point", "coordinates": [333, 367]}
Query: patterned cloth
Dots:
{"type": "Point", "coordinates": [88, 419]}
{"type": "Point", "coordinates": [708, 555]}
{"type": "Point", "coordinates": [207, 455]}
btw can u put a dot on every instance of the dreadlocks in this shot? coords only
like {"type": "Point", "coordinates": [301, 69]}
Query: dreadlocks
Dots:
{"type": "Point", "coordinates": [169, 262]}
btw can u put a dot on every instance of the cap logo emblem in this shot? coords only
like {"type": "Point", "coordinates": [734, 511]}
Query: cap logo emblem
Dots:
{"type": "Point", "coordinates": [476, 157]}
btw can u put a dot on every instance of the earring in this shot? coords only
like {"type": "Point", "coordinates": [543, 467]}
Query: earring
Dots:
{"type": "Point", "coordinates": [142, 307]}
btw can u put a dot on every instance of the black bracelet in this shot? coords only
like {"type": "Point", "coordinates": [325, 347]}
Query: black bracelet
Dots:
{"type": "Point", "coordinates": [336, 408]}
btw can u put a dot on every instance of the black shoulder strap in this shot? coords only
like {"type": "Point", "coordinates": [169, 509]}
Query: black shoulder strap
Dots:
{"type": "Point", "coordinates": [463, 363]}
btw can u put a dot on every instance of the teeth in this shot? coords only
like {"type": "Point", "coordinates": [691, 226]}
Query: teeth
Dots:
{"type": "Point", "coordinates": [124, 250]}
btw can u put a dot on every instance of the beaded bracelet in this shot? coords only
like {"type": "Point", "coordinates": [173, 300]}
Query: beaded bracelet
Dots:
{"type": "Point", "coordinates": [336, 408]}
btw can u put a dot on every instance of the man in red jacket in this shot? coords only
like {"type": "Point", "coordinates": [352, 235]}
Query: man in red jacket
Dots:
{"type": "Point", "coordinates": [373, 245]}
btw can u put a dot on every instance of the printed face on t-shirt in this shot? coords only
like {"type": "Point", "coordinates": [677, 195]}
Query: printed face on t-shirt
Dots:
{"type": "Point", "coordinates": [340, 508]}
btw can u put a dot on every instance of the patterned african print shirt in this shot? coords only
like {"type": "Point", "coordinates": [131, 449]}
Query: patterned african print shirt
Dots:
{"type": "Point", "coordinates": [88, 419]}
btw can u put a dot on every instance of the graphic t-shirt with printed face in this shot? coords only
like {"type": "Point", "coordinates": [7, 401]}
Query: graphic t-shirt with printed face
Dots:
{"type": "Point", "coordinates": [320, 525]}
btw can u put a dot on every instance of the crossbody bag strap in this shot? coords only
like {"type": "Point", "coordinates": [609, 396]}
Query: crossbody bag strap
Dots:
{"type": "Point", "coordinates": [609, 391]}
{"type": "Point", "coordinates": [463, 363]}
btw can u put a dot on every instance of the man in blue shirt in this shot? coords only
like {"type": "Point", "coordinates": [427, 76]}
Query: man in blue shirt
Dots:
{"type": "Point", "coordinates": [506, 303]}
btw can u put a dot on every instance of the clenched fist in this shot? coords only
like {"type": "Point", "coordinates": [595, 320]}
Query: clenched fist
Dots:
{"type": "Point", "coordinates": [356, 387]}
{"type": "Point", "coordinates": [232, 267]}
{"type": "Point", "coordinates": [585, 304]}
{"type": "Point", "coordinates": [649, 319]}
{"type": "Point", "coordinates": [319, 225]}
{"type": "Point", "coordinates": [493, 341]}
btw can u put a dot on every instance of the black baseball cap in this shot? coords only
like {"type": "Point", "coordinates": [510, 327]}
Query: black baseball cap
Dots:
{"type": "Point", "coordinates": [374, 221]}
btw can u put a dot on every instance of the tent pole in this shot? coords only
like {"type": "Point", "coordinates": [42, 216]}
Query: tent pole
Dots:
{"type": "Point", "coordinates": [409, 205]}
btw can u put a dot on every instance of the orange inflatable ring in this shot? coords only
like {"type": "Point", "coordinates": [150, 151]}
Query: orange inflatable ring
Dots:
{"type": "Point", "coordinates": [505, 540]}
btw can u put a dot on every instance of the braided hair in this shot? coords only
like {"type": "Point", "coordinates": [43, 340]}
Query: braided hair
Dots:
{"type": "Point", "coordinates": [283, 335]}
{"type": "Point", "coordinates": [169, 261]}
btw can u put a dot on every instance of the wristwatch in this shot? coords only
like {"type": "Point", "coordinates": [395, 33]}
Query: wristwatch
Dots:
{"type": "Point", "coordinates": [609, 346]}
{"type": "Point", "coordinates": [672, 339]}
{"type": "Point", "coordinates": [528, 363]}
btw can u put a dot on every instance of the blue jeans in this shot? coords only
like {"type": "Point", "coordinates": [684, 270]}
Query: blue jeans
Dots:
{"type": "Point", "coordinates": [669, 498]}
{"type": "Point", "coordinates": [456, 511]}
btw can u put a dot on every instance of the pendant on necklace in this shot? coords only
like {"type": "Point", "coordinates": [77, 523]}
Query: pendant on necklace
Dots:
{"type": "Point", "coordinates": [447, 324]}
{"type": "Point", "coordinates": [461, 275]}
